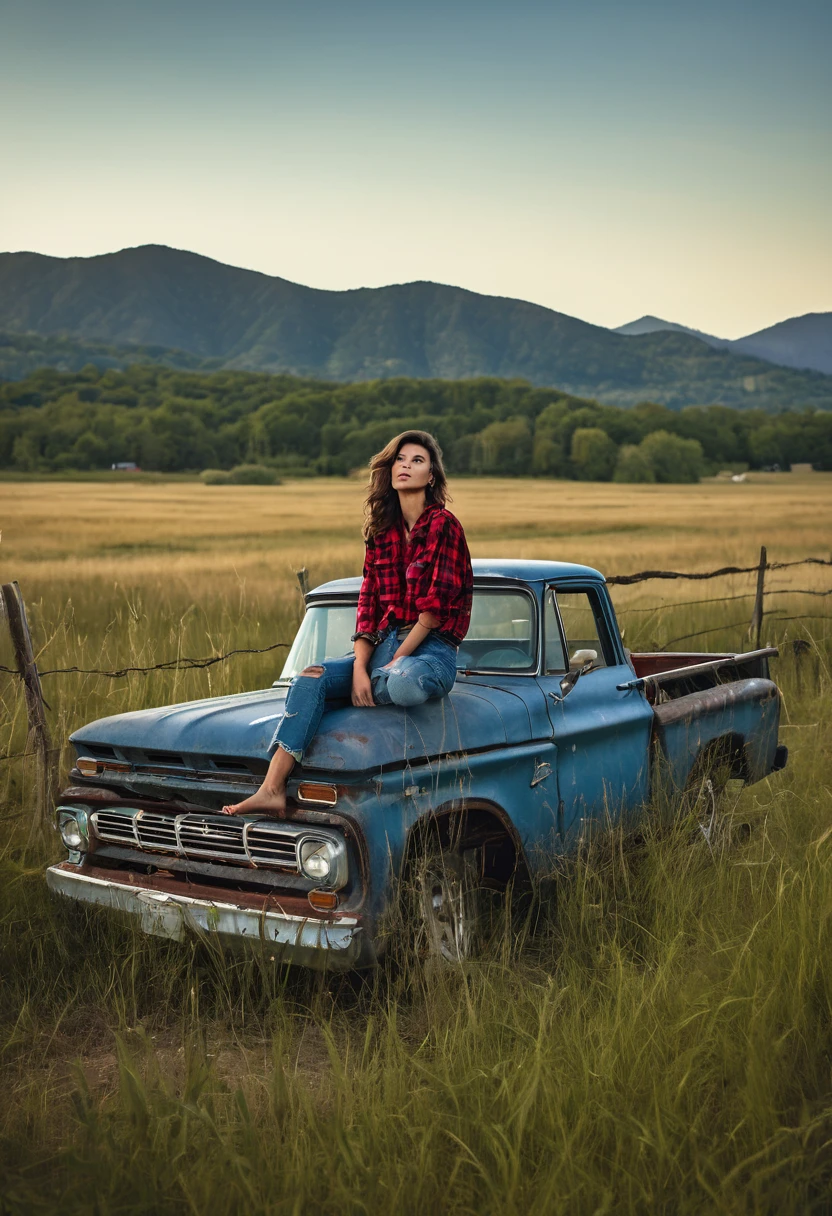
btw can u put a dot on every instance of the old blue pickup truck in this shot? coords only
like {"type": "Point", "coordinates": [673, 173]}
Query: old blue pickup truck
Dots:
{"type": "Point", "coordinates": [552, 730]}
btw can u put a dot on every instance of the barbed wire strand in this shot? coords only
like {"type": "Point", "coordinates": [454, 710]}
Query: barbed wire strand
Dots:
{"type": "Point", "coordinates": [700, 633]}
{"type": "Point", "coordinates": [614, 580]}
{"type": "Point", "coordinates": [624, 580]}
{"type": "Point", "coordinates": [168, 665]}
{"type": "Point", "coordinates": [722, 599]}
{"type": "Point", "coordinates": [778, 620]}
{"type": "Point", "coordinates": [16, 756]}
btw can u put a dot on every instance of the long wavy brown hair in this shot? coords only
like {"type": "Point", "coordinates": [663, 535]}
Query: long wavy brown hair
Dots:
{"type": "Point", "coordinates": [381, 506]}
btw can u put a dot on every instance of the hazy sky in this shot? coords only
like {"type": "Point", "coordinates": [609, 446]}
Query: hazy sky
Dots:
{"type": "Point", "coordinates": [604, 159]}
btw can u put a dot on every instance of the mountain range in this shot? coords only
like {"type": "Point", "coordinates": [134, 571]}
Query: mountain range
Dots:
{"type": "Point", "coordinates": [803, 342]}
{"type": "Point", "coordinates": [193, 309]}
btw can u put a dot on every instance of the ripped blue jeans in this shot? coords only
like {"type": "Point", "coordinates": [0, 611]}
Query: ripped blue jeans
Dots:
{"type": "Point", "coordinates": [429, 672]}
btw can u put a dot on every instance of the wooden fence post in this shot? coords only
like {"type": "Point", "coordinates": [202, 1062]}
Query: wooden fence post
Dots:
{"type": "Point", "coordinates": [757, 614]}
{"type": "Point", "coordinates": [38, 739]}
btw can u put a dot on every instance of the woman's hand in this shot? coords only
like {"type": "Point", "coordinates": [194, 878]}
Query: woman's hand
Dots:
{"type": "Point", "coordinates": [362, 689]}
{"type": "Point", "coordinates": [421, 630]}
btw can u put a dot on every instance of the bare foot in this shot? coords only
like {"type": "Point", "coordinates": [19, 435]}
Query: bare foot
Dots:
{"type": "Point", "coordinates": [272, 801]}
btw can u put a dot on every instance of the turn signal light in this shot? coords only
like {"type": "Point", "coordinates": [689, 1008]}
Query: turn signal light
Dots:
{"type": "Point", "coordinates": [90, 767]}
{"type": "Point", "coordinates": [321, 795]}
{"type": "Point", "coordinates": [323, 901]}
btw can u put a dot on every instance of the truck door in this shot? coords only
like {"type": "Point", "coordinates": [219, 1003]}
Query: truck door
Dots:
{"type": "Point", "coordinates": [602, 735]}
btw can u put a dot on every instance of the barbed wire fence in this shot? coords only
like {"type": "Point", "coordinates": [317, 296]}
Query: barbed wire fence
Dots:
{"type": "Point", "coordinates": [39, 744]}
{"type": "Point", "coordinates": [184, 663]}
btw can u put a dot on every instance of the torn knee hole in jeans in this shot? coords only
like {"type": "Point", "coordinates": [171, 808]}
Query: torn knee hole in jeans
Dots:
{"type": "Point", "coordinates": [314, 673]}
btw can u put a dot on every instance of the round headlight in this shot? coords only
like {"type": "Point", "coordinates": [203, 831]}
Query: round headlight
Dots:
{"type": "Point", "coordinates": [72, 826]}
{"type": "Point", "coordinates": [72, 833]}
{"type": "Point", "coordinates": [316, 858]}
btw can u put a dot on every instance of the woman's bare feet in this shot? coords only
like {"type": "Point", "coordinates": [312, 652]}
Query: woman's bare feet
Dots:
{"type": "Point", "coordinates": [271, 797]}
{"type": "Point", "coordinates": [271, 801]}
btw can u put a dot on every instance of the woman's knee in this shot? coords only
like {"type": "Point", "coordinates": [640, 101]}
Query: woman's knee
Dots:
{"type": "Point", "coordinates": [314, 672]}
{"type": "Point", "coordinates": [407, 688]}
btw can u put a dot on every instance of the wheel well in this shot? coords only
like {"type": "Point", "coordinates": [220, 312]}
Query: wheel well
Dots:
{"type": "Point", "coordinates": [726, 751]}
{"type": "Point", "coordinates": [481, 827]}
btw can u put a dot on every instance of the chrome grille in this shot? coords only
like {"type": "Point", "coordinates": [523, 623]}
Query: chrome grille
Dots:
{"type": "Point", "coordinates": [205, 836]}
{"type": "Point", "coordinates": [156, 831]}
{"type": "Point", "coordinates": [109, 825]}
{"type": "Point", "coordinates": [269, 846]}
{"type": "Point", "coordinates": [201, 836]}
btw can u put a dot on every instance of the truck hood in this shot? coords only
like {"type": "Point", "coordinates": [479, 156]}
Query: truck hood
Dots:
{"type": "Point", "coordinates": [472, 717]}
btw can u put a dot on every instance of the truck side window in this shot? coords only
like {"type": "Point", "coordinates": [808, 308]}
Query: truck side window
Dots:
{"type": "Point", "coordinates": [554, 656]}
{"type": "Point", "coordinates": [580, 620]}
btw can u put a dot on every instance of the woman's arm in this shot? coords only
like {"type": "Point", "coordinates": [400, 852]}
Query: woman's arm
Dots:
{"type": "Point", "coordinates": [366, 623]}
{"type": "Point", "coordinates": [447, 573]}
{"type": "Point", "coordinates": [362, 689]}
{"type": "Point", "coordinates": [427, 621]}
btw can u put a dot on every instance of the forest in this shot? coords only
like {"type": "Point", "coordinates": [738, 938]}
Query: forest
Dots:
{"type": "Point", "coordinates": [172, 420]}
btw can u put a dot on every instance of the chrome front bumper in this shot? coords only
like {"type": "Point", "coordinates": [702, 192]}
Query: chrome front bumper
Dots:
{"type": "Point", "coordinates": [306, 941]}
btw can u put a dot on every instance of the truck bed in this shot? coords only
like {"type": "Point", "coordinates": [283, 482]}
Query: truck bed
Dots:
{"type": "Point", "coordinates": [667, 675]}
{"type": "Point", "coordinates": [712, 704]}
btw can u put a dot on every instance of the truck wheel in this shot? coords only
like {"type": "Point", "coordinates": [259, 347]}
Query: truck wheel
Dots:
{"type": "Point", "coordinates": [707, 792]}
{"type": "Point", "coordinates": [447, 907]}
{"type": "Point", "coordinates": [706, 807]}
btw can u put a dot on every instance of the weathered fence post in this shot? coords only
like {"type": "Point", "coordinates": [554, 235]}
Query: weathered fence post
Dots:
{"type": "Point", "coordinates": [38, 739]}
{"type": "Point", "coordinates": [757, 614]}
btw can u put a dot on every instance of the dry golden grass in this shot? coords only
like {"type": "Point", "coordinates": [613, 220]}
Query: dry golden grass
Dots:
{"type": "Point", "coordinates": [204, 537]}
{"type": "Point", "coordinates": [131, 573]}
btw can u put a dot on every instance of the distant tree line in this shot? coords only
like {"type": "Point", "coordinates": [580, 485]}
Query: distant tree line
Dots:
{"type": "Point", "coordinates": [171, 420]}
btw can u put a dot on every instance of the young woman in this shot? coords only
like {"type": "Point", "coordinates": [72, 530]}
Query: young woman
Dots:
{"type": "Point", "coordinates": [413, 609]}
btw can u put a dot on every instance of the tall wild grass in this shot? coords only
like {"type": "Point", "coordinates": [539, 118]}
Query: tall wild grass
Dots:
{"type": "Point", "coordinates": [661, 1041]}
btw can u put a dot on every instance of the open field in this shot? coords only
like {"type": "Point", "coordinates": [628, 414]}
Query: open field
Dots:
{"type": "Point", "coordinates": [208, 536]}
{"type": "Point", "coordinates": [663, 1041]}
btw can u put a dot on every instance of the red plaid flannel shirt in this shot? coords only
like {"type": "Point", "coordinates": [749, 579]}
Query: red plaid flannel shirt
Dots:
{"type": "Point", "coordinates": [430, 574]}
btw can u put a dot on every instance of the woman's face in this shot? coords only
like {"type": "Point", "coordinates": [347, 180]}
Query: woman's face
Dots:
{"type": "Point", "coordinates": [411, 469]}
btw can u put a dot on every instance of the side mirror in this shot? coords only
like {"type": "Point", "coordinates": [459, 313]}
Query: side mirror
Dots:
{"type": "Point", "coordinates": [581, 662]}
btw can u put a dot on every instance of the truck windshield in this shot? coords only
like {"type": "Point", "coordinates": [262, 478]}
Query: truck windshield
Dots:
{"type": "Point", "coordinates": [501, 636]}
{"type": "Point", "coordinates": [324, 633]}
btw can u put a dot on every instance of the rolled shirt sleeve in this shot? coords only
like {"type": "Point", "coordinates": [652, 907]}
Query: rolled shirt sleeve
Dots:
{"type": "Point", "coordinates": [369, 610]}
{"type": "Point", "coordinates": [445, 580]}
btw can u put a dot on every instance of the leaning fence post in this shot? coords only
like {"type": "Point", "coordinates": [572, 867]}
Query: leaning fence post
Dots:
{"type": "Point", "coordinates": [38, 739]}
{"type": "Point", "coordinates": [757, 614]}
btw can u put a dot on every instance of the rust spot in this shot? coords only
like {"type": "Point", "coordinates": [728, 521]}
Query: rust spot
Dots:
{"type": "Point", "coordinates": [293, 903]}
{"type": "Point", "coordinates": [343, 736]}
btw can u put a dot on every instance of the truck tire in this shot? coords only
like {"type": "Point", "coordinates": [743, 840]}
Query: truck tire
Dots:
{"type": "Point", "coordinates": [447, 907]}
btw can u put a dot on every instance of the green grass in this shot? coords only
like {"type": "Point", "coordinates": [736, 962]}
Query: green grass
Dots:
{"type": "Point", "coordinates": [661, 1043]}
